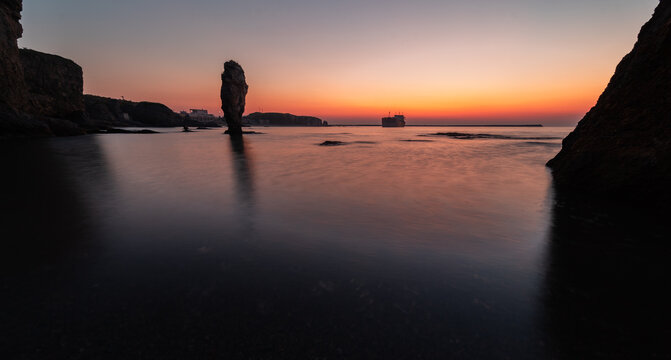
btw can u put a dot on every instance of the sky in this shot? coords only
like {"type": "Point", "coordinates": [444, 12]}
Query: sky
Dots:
{"type": "Point", "coordinates": [350, 61]}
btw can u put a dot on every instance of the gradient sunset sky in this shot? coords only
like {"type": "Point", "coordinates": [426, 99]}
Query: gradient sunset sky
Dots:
{"type": "Point", "coordinates": [350, 61]}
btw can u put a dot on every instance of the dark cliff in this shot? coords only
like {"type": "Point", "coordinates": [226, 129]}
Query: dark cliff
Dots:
{"type": "Point", "coordinates": [55, 85]}
{"type": "Point", "coordinates": [13, 92]}
{"type": "Point", "coordinates": [279, 119]}
{"type": "Point", "coordinates": [114, 112]}
{"type": "Point", "coordinates": [233, 92]}
{"type": "Point", "coordinates": [622, 148]}
{"type": "Point", "coordinates": [155, 114]}
{"type": "Point", "coordinates": [41, 96]}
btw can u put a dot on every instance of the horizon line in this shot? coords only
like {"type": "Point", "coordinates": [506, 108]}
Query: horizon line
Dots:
{"type": "Point", "coordinates": [452, 125]}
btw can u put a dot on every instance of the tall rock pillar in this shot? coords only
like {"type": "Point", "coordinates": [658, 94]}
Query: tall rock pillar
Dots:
{"type": "Point", "coordinates": [233, 93]}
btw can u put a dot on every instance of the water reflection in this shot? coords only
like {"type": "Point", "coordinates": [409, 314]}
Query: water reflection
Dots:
{"type": "Point", "coordinates": [606, 274]}
{"type": "Point", "coordinates": [397, 250]}
{"type": "Point", "coordinates": [44, 214]}
{"type": "Point", "coordinates": [244, 181]}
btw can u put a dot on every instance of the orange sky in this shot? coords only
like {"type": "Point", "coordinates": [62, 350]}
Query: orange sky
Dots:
{"type": "Point", "coordinates": [350, 61]}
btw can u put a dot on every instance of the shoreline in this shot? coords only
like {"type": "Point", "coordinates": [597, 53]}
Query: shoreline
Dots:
{"type": "Point", "coordinates": [450, 125]}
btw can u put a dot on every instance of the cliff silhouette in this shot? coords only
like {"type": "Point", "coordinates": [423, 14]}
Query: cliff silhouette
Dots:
{"type": "Point", "coordinates": [621, 150]}
{"type": "Point", "coordinates": [42, 94]}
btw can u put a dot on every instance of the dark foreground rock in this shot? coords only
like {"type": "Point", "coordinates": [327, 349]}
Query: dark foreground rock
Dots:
{"type": "Point", "coordinates": [280, 119]}
{"type": "Point", "coordinates": [40, 94]}
{"type": "Point", "coordinates": [13, 91]}
{"type": "Point", "coordinates": [622, 148]}
{"type": "Point", "coordinates": [233, 92]}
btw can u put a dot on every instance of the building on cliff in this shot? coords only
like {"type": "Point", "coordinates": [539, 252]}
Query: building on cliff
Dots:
{"type": "Point", "coordinates": [201, 115]}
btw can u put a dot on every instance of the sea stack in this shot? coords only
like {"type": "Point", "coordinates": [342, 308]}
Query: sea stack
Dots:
{"type": "Point", "coordinates": [233, 93]}
{"type": "Point", "coordinates": [621, 150]}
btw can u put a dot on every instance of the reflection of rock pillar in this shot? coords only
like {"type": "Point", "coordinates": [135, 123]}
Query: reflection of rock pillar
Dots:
{"type": "Point", "coordinates": [233, 92]}
{"type": "Point", "coordinates": [244, 181]}
{"type": "Point", "coordinates": [243, 172]}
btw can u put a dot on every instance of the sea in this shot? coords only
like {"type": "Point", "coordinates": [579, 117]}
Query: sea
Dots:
{"type": "Point", "coordinates": [382, 243]}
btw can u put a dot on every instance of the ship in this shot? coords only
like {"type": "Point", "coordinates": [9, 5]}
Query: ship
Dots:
{"type": "Point", "coordinates": [393, 121]}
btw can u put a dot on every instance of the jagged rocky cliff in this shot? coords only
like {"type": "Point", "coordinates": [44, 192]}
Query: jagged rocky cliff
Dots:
{"type": "Point", "coordinates": [55, 85]}
{"type": "Point", "coordinates": [233, 92]}
{"type": "Point", "coordinates": [13, 92]}
{"type": "Point", "coordinates": [622, 148]}
{"type": "Point", "coordinates": [40, 94]}
{"type": "Point", "coordinates": [279, 119]}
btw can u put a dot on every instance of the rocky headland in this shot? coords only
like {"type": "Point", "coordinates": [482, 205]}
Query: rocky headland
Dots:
{"type": "Point", "coordinates": [280, 119]}
{"type": "Point", "coordinates": [106, 112]}
{"type": "Point", "coordinates": [621, 150]}
{"type": "Point", "coordinates": [42, 94]}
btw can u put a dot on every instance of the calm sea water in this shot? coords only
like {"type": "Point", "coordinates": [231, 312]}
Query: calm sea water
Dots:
{"type": "Point", "coordinates": [392, 245]}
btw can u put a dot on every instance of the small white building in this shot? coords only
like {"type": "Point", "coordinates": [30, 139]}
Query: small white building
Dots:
{"type": "Point", "coordinates": [201, 115]}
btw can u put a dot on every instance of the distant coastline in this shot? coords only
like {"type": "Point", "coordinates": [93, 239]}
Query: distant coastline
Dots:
{"type": "Point", "coordinates": [451, 125]}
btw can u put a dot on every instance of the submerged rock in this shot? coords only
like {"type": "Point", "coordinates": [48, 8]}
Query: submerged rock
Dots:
{"type": "Point", "coordinates": [233, 92]}
{"type": "Point", "coordinates": [468, 136]}
{"type": "Point", "coordinates": [124, 131]}
{"type": "Point", "coordinates": [332, 143]}
{"type": "Point", "coordinates": [622, 147]}
{"type": "Point", "coordinates": [252, 132]}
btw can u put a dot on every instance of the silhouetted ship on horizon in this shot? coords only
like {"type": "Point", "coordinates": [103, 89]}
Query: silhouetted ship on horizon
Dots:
{"type": "Point", "coordinates": [393, 121]}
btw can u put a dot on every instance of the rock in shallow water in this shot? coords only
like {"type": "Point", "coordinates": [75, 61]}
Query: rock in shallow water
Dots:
{"type": "Point", "coordinates": [233, 92]}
